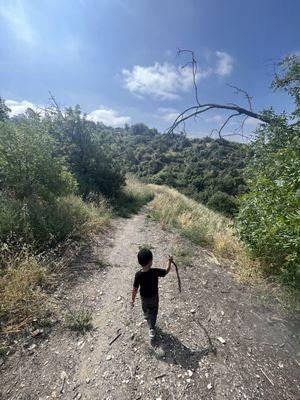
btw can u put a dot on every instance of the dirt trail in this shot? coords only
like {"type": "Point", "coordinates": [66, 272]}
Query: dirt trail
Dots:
{"type": "Point", "coordinates": [260, 358]}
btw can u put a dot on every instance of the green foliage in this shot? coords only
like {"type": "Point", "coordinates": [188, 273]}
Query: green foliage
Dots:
{"type": "Point", "coordinates": [222, 202]}
{"type": "Point", "coordinates": [4, 110]}
{"type": "Point", "coordinates": [88, 153]}
{"type": "Point", "coordinates": [29, 167]}
{"type": "Point", "coordinates": [269, 216]}
{"type": "Point", "coordinates": [197, 167]}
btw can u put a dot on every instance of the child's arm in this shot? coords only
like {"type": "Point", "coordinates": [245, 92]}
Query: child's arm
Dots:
{"type": "Point", "coordinates": [133, 296]}
{"type": "Point", "coordinates": [169, 264]}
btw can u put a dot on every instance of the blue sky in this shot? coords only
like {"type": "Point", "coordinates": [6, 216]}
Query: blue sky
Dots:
{"type": "Point", "coordinates": [118, 58]}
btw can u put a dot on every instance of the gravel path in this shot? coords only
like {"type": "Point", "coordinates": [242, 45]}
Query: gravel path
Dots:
{"type": "Point", "coordinates": [216, 340]}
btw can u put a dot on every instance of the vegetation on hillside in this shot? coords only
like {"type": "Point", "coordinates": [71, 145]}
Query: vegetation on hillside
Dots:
{"type": "Point", "coordinates": [269, 214]}
{"type": "Point", "coordinates": [62, 176]}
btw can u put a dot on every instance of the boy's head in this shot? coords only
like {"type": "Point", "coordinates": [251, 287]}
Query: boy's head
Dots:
{"type": "Point", "coordinates": [145, 257]}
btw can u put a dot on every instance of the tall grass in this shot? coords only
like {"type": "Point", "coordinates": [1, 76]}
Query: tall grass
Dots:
{"type": "Point", "coordinates": [134, 196]}
{"type": "Point", "coordinates": [201, 225]}
{"type": "Point", "coordinates": [26, 276]}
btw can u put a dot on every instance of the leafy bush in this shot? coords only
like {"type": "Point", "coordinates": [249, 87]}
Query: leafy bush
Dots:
{"type": "Point", "coordinates": [29, 167]}
{"type": "Point", "coordinates": [88, 153]}
{"type": "Point", "coordinates": [269, 216]}
{"type": "Point", "coordinates": [223, 203]}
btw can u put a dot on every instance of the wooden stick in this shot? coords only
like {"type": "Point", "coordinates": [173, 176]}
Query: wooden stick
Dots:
{"type": "Point", "coordinates": [178, 277]}
{"type": "Point", "coordinates": [117, 337]}
{"type": "Point", "coordinates": [160, 376]}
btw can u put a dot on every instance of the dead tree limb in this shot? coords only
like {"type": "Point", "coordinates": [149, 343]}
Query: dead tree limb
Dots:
{"type": "Point", "coordinates": [200, 108]}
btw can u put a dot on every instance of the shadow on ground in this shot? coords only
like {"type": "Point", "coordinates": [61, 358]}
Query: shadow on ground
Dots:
{"type": "Point", "coordinates": [172, 351]}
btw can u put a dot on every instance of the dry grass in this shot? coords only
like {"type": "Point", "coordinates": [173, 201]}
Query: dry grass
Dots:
{"type": "Point", "coordinates": [135, 195]}
{"type": "Point", "coordinates": [202, 226]}
{"type": "Point", "coordinates": [26, 279]}
{"type": "Point", "coordinates": [22, 295]}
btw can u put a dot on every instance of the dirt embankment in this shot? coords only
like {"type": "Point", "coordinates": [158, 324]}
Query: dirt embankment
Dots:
{"type": "Point", "coordinates": [216, 340]}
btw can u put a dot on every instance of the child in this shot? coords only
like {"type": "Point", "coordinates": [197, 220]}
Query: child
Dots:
{"type": "Point", "coordinates": [147, 280]}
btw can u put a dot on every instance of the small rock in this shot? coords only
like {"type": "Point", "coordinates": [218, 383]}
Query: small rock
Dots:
{"type": "Point", "coordinates": [109, 357]}
{"type": "Point", "coordinates": [209, 386]}
{"type": "Point", "coordinates": [190, 373]}
{"type": "Point", "coordinates": [222, 313]}
{"type": "Point", "coordinates": [88, 380]}
{"type": "Point", "coordinates": [63, 375]}
{"type": "Point", "coordinates": [192, 311]}
{"type": "Point", "coordinates": [91, 348]}
{"type": "Point", "coordinates": [280, 365]}
{"type": "Point", "coordinates": [36, 332]}
{"type": "Point", "coordinates": [220, 339]}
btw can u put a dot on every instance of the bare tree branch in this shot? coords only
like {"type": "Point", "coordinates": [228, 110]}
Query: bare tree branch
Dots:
{"type": "Point", "coordinates": [224, 124]}
{"type": "Point", "coordinates": [198, 109]}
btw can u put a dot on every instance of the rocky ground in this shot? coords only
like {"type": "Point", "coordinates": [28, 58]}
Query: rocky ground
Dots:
{"type": "Point", "coordinates": [216, 340]}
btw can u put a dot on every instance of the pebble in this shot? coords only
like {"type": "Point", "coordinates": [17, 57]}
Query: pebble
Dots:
{"type": "Point", "coordinates": [193, 311]}
{"type": "Point", "coordinates": [209, 386]}
{"type": "Point", "coordinates": [109, 357]}
{"type": "Point", "coordinates": [220, 339]}
{"type": "Point", "coordinates": [190, 373]}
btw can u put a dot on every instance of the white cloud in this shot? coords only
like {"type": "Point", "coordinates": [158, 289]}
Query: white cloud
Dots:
{"type": "Point", "coordinates": [19, 107]}
{"type": "Point", "coordinates": [13, 13]}
{"type": "Point", "coordinates": [167, 81]}
{"type": "Point", "coordinates": [224, 63]}
{"type": "Point", "coordinates": [162, 81]}
{"type": "Point", "coordinates": [167, 114]}
{"type": "Point", "coordinates": [108, 117]}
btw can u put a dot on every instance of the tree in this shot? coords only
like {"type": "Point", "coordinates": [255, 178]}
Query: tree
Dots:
{"type": "Point", "coordinates": [269, 217]}
{"type": "Point", "coordinates": [4, 110]}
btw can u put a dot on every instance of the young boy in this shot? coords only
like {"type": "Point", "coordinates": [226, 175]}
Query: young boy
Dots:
{"type": "Point", "coordinates": [147, 280]}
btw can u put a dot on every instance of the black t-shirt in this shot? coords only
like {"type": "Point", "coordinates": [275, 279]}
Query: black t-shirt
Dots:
{"type": "Point", "coordinates": [148, 281]}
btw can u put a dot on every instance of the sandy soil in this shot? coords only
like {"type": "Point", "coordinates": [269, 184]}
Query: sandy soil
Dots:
{"type": "Point", "coordinates": [216, 340]}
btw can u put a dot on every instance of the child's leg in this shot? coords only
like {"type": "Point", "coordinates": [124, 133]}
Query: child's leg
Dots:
{"type": "Point", "coordinates": [145, 310]}
{"type": "Point", "coordinates": [153, 311]}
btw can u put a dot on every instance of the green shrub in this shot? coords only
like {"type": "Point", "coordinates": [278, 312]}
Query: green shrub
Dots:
{"type": "Point", "coordinates": [79, 320]}
{"type": "Point", "coordinates": [223, 202]}
{"type": "Point", "coordinates": [269, 217]}
{"type": "Point", "coordinates": [29, 167]}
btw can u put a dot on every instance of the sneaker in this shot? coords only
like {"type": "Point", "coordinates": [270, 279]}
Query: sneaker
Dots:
{"type": "Point", "coordinates": [151, 334]}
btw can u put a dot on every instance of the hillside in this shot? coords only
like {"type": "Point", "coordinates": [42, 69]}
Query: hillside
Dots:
{"type": "Point", "coordinates": [209, 170]}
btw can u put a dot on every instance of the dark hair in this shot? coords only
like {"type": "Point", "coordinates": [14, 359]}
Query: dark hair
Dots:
{"type": "Point", "coordinates": [144, 257]}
